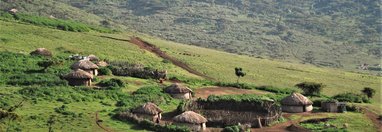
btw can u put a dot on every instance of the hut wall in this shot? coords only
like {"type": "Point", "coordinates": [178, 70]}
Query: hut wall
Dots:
{"type": "Point", "coordinates": [95, 72]}
{"type": "Point", "coordinates": [79, 82]}
{"type": "Point", "coordinates": [329, 107]}
{"type": "Point", "coordinates": [296, 109]}
{"type": "Point", "coordinates": [182, 96]}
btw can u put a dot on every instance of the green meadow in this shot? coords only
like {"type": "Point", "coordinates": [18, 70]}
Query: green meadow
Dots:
{"type": "Point", "coordinates": [74, 109]}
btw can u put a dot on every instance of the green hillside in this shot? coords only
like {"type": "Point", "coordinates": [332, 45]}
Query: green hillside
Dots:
{"type": "Point", "coordinates": [339, 33]}
{"type": "Point", "coordinates": [46, 100]}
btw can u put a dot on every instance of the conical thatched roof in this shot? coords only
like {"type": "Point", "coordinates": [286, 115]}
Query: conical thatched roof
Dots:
{"type": "Point", "coordinates": [78, 74]}
{"type": "Point", "coordinates": [177, 88]}
{"type": "Point", "coordinates": [102, 63]}
{"type": "Point", "coordinates": [190, 117]}
{"type": "Point", "coordinates": [84, 65]}
{"type": "Point", "coordinates": [296, 99]}
{"type": "Point", "coordinates": [148, 108]}
{"type": "Point", "coordinates": [42, 52]}
{"type": "Point", "coordinates": [93, 58]}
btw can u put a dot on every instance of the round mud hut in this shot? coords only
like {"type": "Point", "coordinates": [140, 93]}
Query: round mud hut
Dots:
{"type": "Point", "coordinates": [87, 66]}
{"type": "Point", "coordinates": [41, 52]}
{"type": "Point", "coordinates": [296, 103]}
{"type": "Point", "coordinates": [102, 64]}
{"type": "Point", "coordinates": [149, 111]}
{"type": "Point", "coordinates": [93, 58]}
{"type": "Point", "coordinates": [194, 121]}
{"type": "Point", "coordinates": [79, 78]}
{"type": "Point", "coordinates": [179, 91]}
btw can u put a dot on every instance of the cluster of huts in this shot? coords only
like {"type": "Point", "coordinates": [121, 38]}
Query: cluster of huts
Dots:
{"type": "Point", "coordinates": [294, 103]}
{"type": "Point", "coordinates": [84, 70]}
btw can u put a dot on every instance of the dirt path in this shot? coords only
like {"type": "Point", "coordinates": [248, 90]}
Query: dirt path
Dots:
{"type": "Point", "coordinates": [99, 123]}
{"type": "Point", "coordinates": [374, 118]}
{"type": "Point", "coordinates": [205, 92]}
{"type": "Point", "coordinates": [154, 49]}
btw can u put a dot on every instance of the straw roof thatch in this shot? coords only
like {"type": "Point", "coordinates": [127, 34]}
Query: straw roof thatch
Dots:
{"type": "Point", "coordinates": [102, 63]}
{"type": "Point", "coordinates": [78, 74]}
{"type": "Point", "coordinates": [190, 117]}
{"type": "Point", "coordinates": [84, 65]}
{"type": "Point", "coordinates": [296, 99]}
{"type": "Point", "coordinates": [42, 52]}
{"type": "Point", "coordinates": [177, 88]}
{"type": "Point", "coordinates": [148, 108]}
{"type": "Point", "coordinates": [93, 58]}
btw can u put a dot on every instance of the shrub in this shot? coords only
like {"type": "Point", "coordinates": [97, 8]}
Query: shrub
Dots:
{"type": "Point", "coordinates": [112, 83]}
{"type": "Point", "coordinates": [276, 90]}
{"type": "Point", "coordinates": [352, 97]}
{"type": "Point", "coordinates": [104, 71]}
{"type": "Point", "coordinates": [64, 110]}
{"type": "Point", "coordinates": [236, 85]}
{"type": "Point", "coordinates": [310, 88]}
{"type": "Point", "coordinates": [232, 129]}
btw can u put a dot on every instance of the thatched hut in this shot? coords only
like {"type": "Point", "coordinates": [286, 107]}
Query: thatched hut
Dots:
{"type": "Point", "coordinates": [79, 78]}
{"type": "Point", "coordinates": [93, 58]}
{"type": "Point", "coordinates": [179, 91]}
{"type": "Point", "coordinates": [87, 66]}
{"type": "Point", "coordinates": [329, 106]}
{"type": "Point", "coordinates": [296, 103]}
{"type": "Point", "coordinates": [194, 121]}
{"type": "Point", "coordinates": [149, 111]}
{"type": "Point", "coordinates": [41, 52]}
{"type": "Point", "coordinates": [13, 11]}
{"type": "Point", "coordinates": [102, 63]}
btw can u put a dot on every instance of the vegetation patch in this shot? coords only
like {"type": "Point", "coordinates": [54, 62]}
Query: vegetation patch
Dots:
{"type": "Point", "coordinates": [60, 24]}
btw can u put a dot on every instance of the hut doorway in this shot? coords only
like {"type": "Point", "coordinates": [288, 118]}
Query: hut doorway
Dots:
{"type": "Point", "coordinates": [304, 108]}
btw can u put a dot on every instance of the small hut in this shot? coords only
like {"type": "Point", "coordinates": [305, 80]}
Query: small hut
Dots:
{"type": "Point", "coordinates": [194, 121]}
{"type": "Point", "coordinates": [149, 111]}
{"type": "Point", "coordinates": [13, 11]}
{"type": "Point", "coordinates": [87, 66]}
{"type": "Point", "coordinates": [93, 58]}
{"type": "Point", "coordinates": [79, 78]}
{"type": "Point", "coordinates": [330, 106]}
{"type": "Point", "coordinates": [179, 91]}
{"type": "Point", "coordinates": [41, 52]}
{"type": "Point", "coordinates": [102, 63]}
{"type": "Point", "coordinates": [296, 103]}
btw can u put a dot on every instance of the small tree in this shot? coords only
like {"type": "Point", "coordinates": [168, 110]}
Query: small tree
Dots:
{"type": "Point", "coordinates": [310, 88]}
{"type": "Point", "coordinates": [239, 73]}
{"type": "Point", "coordinates": [45, 64]}
{"type": "Point", "coordinates": [369, 92]}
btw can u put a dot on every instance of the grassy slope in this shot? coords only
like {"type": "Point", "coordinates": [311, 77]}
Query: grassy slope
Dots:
{"type": "Point", "coordinates": [25, 38]}
{"type": "Point", "coordinates": [220, 65]}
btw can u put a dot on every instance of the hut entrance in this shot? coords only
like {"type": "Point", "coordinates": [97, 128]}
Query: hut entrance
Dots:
{"type": "Point", "coordinates": [304, 108]}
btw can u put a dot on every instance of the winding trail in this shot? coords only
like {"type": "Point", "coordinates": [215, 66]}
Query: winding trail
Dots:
{"type": "Point", "coordinates": [99, 123]}
{"type": "Point", "coordinates": [156, 50]}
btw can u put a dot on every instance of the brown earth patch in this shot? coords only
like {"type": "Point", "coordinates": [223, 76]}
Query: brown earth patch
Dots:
{"type": "Point", "coordinates": [205, 92]}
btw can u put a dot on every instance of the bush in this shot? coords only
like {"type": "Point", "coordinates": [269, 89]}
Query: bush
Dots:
{"type": "Point", "coordinates": [236, 85]}
{"type": "Point", "coordinates": [276, 90]}
{"type": "Point", "coordinates": [311, 88]}
{"type": "Point", "coordinates": [104, 71]}
{"type": "Point", "coordinates": [112, 83]}
{"type": "Point", "coordinates": [232, 129]}
{"type": "Point", "coordinates": [352, 97]}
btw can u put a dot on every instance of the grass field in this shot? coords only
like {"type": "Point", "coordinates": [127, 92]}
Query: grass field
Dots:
{"type": "Point", "coordinates": [22, 38]}
{"type": "Point", "coordinates": [220, 65]}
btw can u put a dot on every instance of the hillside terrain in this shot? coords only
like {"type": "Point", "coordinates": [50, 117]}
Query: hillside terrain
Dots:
{"type": "Point", "coordinates": [40, 100]}
{"type": "Point", "coordinates": [339, 33]}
